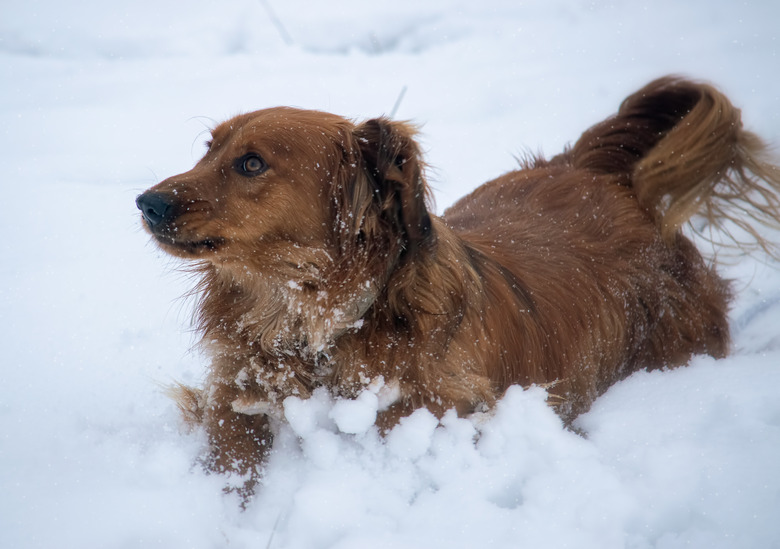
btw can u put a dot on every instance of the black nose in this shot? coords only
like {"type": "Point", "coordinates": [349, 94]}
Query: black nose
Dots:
{"type": "Point", "coordinates": [154, 207]}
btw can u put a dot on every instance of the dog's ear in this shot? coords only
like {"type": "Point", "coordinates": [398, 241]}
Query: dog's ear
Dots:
{"type": "Point", "coordinates": [390, 185]}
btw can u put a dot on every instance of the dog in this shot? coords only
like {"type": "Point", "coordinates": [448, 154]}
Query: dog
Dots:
{"type": "Point", "coordinates": [320, 263]}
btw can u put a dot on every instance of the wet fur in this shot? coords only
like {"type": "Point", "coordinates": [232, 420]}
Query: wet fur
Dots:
{"type": "Point", "coordinates": [328, 269]}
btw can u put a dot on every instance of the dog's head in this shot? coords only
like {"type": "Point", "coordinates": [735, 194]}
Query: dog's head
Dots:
{"type": "Point", "coordinates": [280, 180]}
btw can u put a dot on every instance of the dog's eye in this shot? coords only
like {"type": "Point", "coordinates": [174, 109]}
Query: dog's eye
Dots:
{"type": "Point", "coordinates": [250, 164]}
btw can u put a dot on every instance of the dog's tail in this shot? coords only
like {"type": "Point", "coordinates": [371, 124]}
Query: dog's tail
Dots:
{"type": "Point", "coordinates": [681, 146]}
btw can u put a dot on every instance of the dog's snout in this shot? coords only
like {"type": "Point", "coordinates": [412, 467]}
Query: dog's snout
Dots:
{"type": "Point", "coordinates": [154, 207]}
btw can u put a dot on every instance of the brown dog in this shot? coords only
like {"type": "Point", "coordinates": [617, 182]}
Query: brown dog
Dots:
{"type": "Point", "coordinates": [321, 265]}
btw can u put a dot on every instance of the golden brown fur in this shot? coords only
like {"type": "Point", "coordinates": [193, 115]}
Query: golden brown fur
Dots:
{"type": "Point", "coordinates": [320, 264]}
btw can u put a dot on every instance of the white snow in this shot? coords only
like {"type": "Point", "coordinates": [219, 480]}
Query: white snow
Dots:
{"type": "Point", "coordinates": [355, 416]}
{"type": "Point", "coordinates": [102, 99]}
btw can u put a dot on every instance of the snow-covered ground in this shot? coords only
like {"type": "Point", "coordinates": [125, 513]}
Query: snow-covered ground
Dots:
{"type": "Point", "coordinates": [100, 100]}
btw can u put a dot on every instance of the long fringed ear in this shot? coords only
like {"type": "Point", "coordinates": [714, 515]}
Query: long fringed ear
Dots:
{"type": "Point", "coordinates": [389, 192]}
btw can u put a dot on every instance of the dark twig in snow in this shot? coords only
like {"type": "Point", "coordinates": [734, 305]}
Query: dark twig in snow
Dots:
{"type": "Point", "coordinates": [398, 102]}
{"type": "Point", "coordinates": [273, 532]}
{"type": "Point", "coordinates": [277, 23]}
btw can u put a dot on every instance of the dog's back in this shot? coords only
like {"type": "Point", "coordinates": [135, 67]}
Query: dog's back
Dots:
{"type": "Point", "coordinates": [600, 226]}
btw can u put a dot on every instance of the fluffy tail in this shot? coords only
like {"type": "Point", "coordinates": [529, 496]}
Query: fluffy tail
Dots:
{"type": "Point", "coordinates": [681, 146]}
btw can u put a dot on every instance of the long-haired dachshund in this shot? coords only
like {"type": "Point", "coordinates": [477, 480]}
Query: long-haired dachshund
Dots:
{"type": "Point", "coordinates": [320, 263]}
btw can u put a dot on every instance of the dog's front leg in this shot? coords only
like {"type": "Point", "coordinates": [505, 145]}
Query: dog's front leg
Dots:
{"type": "Point", "coordinates": [239, 443]}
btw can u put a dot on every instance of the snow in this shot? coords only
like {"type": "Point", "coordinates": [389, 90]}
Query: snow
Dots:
{"type": "Point", "coordinates": [102, 99]}
{"type": "Point", "coordinates": [355, 416]}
